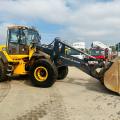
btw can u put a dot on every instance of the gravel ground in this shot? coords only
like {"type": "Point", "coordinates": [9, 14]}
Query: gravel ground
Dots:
{"type": "Point", "coordinates": [78, 97]}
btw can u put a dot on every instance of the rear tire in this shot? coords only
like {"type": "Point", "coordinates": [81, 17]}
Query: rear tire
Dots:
{"type": "Point", "coordinates": [43, 73]}
{"type": "Point", "coordinates": [62, 72]}
{"type": "Point", "coordinates": [2, 71]}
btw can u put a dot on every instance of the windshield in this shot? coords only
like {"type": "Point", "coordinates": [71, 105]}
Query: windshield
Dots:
{"type": "Point", "coordinates": [95, 52]}
{"type": "Point", "coordinates": [32, 36]}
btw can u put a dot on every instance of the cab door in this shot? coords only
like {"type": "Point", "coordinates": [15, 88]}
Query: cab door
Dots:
{"type": "Point", "coordinates": [17, 42]}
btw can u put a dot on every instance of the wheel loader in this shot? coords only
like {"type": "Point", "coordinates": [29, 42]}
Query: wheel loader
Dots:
{"type": "Point", "coordinates": [23, 54]}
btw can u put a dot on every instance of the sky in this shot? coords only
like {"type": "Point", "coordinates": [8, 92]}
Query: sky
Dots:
{"type": "Point", "coordinates": [72, 20]}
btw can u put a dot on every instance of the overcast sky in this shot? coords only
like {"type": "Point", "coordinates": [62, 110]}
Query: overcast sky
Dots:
{"type": "Point", "coordinates": [73, 20]}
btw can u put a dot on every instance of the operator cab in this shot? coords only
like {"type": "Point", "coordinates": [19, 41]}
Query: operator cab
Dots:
{"type": "Point", "coordinates": [20, 38]}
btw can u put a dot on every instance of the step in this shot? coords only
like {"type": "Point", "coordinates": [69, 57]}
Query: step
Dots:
{"type": "Point", "coordinates": [9, 74]}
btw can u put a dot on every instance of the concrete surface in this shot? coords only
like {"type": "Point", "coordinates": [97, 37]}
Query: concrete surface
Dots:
{"type": "Point", "coordinates": [78, 97]}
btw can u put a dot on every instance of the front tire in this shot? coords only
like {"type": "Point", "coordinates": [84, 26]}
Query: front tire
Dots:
{"type": "Point", "coordinates": [62, 72]}
{"type": "Point", "coordinates": [43, 73]}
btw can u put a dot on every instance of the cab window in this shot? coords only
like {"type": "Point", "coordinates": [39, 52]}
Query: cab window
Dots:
{"type": "Point", "coordinates": [14, 35]}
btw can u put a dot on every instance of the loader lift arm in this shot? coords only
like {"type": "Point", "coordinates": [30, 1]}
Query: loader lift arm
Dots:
{"type": "Point", "coordinates": [60, 58]}
{"type": "Point", "coordinates": [107, 73]}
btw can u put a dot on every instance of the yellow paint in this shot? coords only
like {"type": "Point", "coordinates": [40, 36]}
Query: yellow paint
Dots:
{"type": "Point", "coordinates": [1, 47]}
{"type": "Point", "coordinates": [18, 57]}
{"type": "Point", "coordinates": [7, 56]}
{"type": "Point", "coordinates": [14, 58]}
{"type": "Point", "coordinates": [20, 68]}
{"type": "Point", "coordinates": [31, 52]}
{"type": "Point", "coordinates": [11, 58]}
{"type": "Point", "coordinates": [41, 73]}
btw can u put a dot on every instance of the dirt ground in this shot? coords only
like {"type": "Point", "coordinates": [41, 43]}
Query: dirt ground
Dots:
{"type": "Point", "coordinates": [78, 97]}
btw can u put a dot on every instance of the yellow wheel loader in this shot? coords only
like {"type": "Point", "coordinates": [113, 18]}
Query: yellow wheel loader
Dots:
{"type": "Point", "coordinates": [24, 54]}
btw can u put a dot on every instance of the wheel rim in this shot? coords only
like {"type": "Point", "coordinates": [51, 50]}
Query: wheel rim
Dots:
{"type": "Point", "coordinates": [41, 73]}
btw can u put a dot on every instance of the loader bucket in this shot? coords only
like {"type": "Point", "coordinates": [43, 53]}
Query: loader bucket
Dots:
{"type": "Point", "coordinates": [112, 77]}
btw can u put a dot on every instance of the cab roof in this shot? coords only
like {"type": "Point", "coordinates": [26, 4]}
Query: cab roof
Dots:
{"type": "Point", "coordinates": [18, 27]}
{"type": "Point", "coordinates": [21, 27]}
